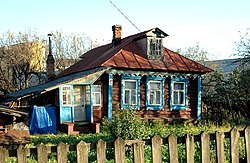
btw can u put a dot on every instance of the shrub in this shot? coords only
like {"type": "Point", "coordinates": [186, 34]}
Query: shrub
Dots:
{"type": "Point", "coordinates": [125, 124]}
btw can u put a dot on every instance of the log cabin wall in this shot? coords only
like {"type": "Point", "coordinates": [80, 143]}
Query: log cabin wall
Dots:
{"type": "Point", "coordinates": [166, 113]}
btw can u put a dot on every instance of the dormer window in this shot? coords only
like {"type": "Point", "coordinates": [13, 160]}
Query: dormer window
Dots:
{"type": "Point", "coordinates": [155, 48]}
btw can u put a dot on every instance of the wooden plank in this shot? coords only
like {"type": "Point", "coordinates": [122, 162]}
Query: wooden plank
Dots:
{"type": "Point", "coordinates": [234, 145]}
{"type": "Point", "coordinates": [139, 152]}
{"type": "Point", "coordinates": [173, 149]}
{"type": "Point", "coordinates": [190, 148]}
{"type": "Point", "coordinates": [205, 150]}
{"type": "Point", "coordinates": [42, 154]}
{"type": "Point", "coordinates": [101, 151]}
{"type": "Point", "coordinates": [62, 150]}
{"type": "Point", "coordinates": [21, 154]}
{"type": "Point", "coordinates": [156, 149]}
{"type": "Point", "coordinates": [220, 156]}
{"type": "Point", "coordinates": [247, 143]}
{"type": "Point", "coordinates": [82, 150]}
{"type": "Point", "coordinates": [120, 150]}
{"type": "Point", "coordinates": [2, 154]}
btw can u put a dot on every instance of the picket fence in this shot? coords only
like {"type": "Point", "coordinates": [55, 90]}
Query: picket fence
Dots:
{"type": "Point", "coordinates": [82, 149]}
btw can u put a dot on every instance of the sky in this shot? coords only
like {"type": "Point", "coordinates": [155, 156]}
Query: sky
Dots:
{"type": "Point", "coordinates": [213, 24]}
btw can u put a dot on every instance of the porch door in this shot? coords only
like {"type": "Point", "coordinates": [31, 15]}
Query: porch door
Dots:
{"type": "Point", "coordinates": [79, 103]}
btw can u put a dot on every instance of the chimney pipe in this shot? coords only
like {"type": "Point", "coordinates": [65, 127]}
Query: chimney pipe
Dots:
{"type": "Point", "coordinates": [117, 29]}
{"type": "Point", "coordinates": [50, 62]}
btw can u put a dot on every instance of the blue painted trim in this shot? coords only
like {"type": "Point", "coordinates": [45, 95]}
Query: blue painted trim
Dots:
{"type": "Point", "coordinates": [110, 87]}
{"type": "Point", "coordinates": [66, 111]}
{"type": "Point", "coordinates": [150, 106]}
{"type": "Point", "coordinates": [199, 98]}
{"type": "Point", "coordinates": [137, 79]}
{"type": "Point", "coordinates": [174, 106]}
{"type": "Point", "coordinates": [91, 105]}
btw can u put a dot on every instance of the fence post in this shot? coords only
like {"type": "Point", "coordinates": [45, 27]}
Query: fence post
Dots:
{"type": "Point", "coordinates": [62, 150]}
{"type": "Point", "coordinates": [190, 148]}
{"type": "Point", "coordinates": [205, 150]}
{"type": "Point", "coordinates": [119, 150]}
{"type": "Point", "coordinates": [234, 145]}
{"type": "Point", "coordinates": [173, 148]}
{"type": "Point", "coordinates": [220, 156]}
{"type": "Point", "coordinates": [2, 154]}
{"type": "Point", "coordinates": [101, 151]}
{"type": "Point", "coordinates": [42, 154]}
{"type": "Point", "coordinates": [21, 154]}
{"type": "Point", "coordinates": [247, 143]}
{"type": "Point", "coordinates": [139, 152]}
{"type": "Point", "coordinates": [156, 149]}
{"type": "Point", "coordinates": [82, 150]}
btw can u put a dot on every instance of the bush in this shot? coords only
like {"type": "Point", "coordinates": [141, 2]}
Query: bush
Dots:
{"type": "Point", "coordinates": [125, 124]}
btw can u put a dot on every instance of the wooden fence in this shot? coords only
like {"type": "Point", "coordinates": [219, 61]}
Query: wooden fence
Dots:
{"type": "Point", "coordinates": [82, 149]}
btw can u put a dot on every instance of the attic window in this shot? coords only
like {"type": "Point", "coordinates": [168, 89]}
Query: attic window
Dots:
{"type": "Point", "coordinates": [155, 48]}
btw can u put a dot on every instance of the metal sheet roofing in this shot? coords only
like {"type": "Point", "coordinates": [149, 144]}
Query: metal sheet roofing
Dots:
{"type": "Point", "coordinates": [128, 54]}
{"type": "Point", "coordinates": [54, 84]}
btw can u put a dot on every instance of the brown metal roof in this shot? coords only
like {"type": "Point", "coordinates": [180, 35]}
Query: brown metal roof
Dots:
{"type": "Point", "coordinates": [129, 55]}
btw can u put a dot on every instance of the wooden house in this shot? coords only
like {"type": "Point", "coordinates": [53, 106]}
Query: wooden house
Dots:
{"type": "Point", "coordinates": [134, 72]}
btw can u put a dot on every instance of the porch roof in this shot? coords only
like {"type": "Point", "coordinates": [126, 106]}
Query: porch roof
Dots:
{"type": "Point", "coordinates": [53, 84]}
{"type": "Point", "coordinates": [9, 111]}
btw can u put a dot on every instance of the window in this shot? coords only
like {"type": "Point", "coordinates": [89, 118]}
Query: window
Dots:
{"type": "Point", "coordinates": [179, 92]}
{"type": "Point", "coordinates": [155, 93]}
{"type": "Point", "coordinates": [66, 95]}
{"type": "Point", "coordinates": [179, 99]}
{"type": "Point", "coordinates": [130, 94]}
{"type": "Point", "coordinates": [155, 48]}
{"type": "Point", "coordinates": [96, 95]}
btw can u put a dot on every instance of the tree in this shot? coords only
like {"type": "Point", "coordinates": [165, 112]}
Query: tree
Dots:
{"type": "Point", "coordinates": [23, 56]}
{"type": "Point", "coordinates": [243, 47]}
{"type": "Point", "coordinates": [20, 57]}
{"type": "Point", "coordinates": [67, 48]}
{"type": "Point", "coordinates": [195, 53]}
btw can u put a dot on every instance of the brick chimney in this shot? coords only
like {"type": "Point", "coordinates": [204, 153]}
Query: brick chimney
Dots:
{"type": "Point", "coordinates": [50, 62]}
{"type": "Point", "coordinates": [117, 32]}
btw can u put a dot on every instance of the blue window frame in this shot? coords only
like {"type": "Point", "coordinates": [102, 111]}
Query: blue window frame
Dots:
{"type": "Point", "coordinates": [178, 94]}
{"type": "Point", "coordinates": [155, 93]}
{"type": "Point", "coordinates": [130, 91]}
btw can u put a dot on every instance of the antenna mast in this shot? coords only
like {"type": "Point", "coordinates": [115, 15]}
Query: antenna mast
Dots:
{"type": "Point", "coordinates": [124, 15]}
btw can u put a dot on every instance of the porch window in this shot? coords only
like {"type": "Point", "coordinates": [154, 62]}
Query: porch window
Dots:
{"type": "Point", "coordinates": [66, 95]}
{"type": "Point", "coordinates": [155, 93]}
{"type": "Point", "coordinates": [130, 96]}
{"type": "Point", "coordinates": [96, 95]}
{"type": "Point", "coordinates": [179, 99]}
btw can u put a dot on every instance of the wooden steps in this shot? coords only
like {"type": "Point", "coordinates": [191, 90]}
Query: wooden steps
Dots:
{"type": "Point", "coordinates": [79, 127]}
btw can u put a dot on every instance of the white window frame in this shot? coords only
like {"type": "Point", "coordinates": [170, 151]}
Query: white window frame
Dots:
{"type": "Point", "coordinates": [67, 92]}
{"type": "Point", "coordinates": [179, 91]}
{"type": "Point", "coordinates": [154, 92]}
{"type": "Point", "coordinates": [130, 92]}
{"type": "Point", "coordinates": [155, 53]}
{"type": "Point", "coordinates": [94, 93]}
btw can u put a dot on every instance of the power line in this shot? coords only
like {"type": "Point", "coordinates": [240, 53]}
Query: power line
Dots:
{"type": "Point", "coordinates": [124, 15]}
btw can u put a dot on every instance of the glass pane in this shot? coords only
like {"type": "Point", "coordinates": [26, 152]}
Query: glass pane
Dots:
{"type": "Point", "coordinates": [155, 85]}
{"type": "Point", "coordinates": [181, 94]}
{"type": "Point", "coordinates": [130, 84]}
{"type": "Point", "coordinates": [151, 97]}
{"type": "Point", "coordinates": [96, 88]}
{"type": "Point", "coordinates": [176, 101]}
{"type": "Point", "coordinates": [127, 94]}
{"type": "Point", "coordinates": [133, 97]}
{"type": "Point", "coordinates": [158, 97]}
{"type": "Point", "coordinates": [178, 86]}
{"type": "Point", "coordinates": [97, 99]}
